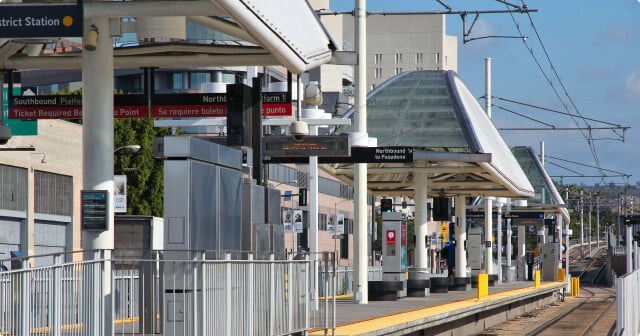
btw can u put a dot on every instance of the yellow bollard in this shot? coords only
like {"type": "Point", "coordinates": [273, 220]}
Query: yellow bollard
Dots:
{"type": "Point", "coordinates": [536, 279]}
{"type": "Point", "coordinates": [483, 285]}
{"type": "Point", "coordinates": [575, 286]}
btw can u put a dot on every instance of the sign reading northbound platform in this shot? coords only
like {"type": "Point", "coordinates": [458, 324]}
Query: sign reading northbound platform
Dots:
{"type": "Point", "coordinates": [50, 20]}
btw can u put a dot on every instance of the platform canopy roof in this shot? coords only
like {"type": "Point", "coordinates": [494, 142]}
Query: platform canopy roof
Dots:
{"type": "Point", "coordinates": [547, 197]}
{"type": "Point", "coordinates": [267, 35]}
{"type": "Point", "coordinates": [454, 141]}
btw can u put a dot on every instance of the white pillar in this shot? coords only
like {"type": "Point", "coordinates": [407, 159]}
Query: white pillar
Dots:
{"type": "Point", "coordinates": [628, 239]}
{"type": "Point", "coordinates": [461, 237]}
{"type": "Point", "coordinates": [421, 220]}
{"type": "Point", "coordinates": [499, 242]}
{"type": "Point", "coordinates": [509, 246]}
{"type": "Point", "coordinates": [97, 110]}
{"type": "Point", "coordinates": [521, 252]}
{"type": "Point", "coordinates": [312, 207]}
{"type": "Point", "coordinates": [361, 295]}
{"type": "Point", "coordinates": [488, 235]}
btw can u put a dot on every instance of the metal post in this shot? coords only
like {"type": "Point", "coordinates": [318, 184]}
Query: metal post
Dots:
{"type": "Point", "coordinates": [628, 239]}
{"type": "Point", "coordinates": [461, 238]}
{"type": "Point", "coordinates": [590, 210]}
{"type": "Point", "coordinates": [361, 295]}
{"type": "Point", "coordinates": [488, 235]}
{"type": "Point", "coordinates": [499, 242]}
{"type": "Point", "coordinates": [598, 221]}
{"type": "Point", "coordinates": [581, 226]}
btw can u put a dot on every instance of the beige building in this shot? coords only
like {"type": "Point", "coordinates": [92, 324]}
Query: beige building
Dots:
{"type": "Point", "coordinates": [40, 191]}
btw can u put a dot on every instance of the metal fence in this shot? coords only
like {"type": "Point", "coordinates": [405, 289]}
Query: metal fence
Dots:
{"type": "Point", "coordinates": [190, 296]}
{"type": "Point", "coordinates": [627, 294]}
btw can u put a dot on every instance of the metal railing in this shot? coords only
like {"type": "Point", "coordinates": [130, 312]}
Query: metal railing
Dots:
{"type": "Point", "coordinates": [172, 296]}
{"type": "Point", "coordinates": [628, 312]}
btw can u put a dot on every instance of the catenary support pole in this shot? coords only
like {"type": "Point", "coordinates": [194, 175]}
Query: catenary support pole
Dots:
{"type": "Point", "coordinates": [361, 295]}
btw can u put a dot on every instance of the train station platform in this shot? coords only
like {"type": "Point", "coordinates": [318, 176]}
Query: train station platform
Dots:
{"type": "Point", "coordinates": [453, 313]}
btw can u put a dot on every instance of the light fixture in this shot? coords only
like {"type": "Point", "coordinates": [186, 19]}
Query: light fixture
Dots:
{"type": "Point", "coordinates": [90, 41]}
{"type": "Point", "coordinates": [134, 148]}
{"type": "Point", "coordinates": [44, 157]}
{"type": "Point", "coordinates": [43, 160]}
{"type": "Point", "coordinates": [5, 133]}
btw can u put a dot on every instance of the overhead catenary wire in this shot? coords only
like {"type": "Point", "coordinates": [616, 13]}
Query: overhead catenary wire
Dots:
{"type": "Point", "coordinates": [576, 120]}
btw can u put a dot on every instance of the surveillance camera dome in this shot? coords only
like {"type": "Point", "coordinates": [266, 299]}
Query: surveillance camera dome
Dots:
{"type": "Point", "coordinates": [299, 130]}
{"type": "Point", "coordinates": [5, 134]}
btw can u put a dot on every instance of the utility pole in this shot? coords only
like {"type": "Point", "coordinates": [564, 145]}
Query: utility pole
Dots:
{"type": "Point", "coordinates": [581, 225]}
{"type": "Point", "coordinates": [598, 220]}
{"type": "Point", "coordinates": [590, 211]}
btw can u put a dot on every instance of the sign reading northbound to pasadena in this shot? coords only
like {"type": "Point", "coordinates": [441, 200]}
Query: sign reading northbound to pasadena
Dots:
{"type": "Point", "coordinates": [50, 20]}
{"type": "Point", "coordinates": [389, 154]}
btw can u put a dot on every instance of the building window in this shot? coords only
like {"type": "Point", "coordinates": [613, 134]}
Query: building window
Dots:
{"type": "Point", "coordinates": [197, 78]}
{"type": "Point", "coordinates": [398, 58]}
{"type": "Point", "coordinates": [377, 73]}
{"type": "Point", "coordinates": [437, 58]}
{"type": "Point", "coordinates": [377, 59]}
{"type": "Point", "coordinates": [419, 58]}
{"type": "Point", "coordinates": [322, 222]}
{"type": "Point", "coordinates": [53, 193]}
{"type": "Point", "coordinates": [13, 188]}
{"type": "Point", "coordinates": [398, 71]}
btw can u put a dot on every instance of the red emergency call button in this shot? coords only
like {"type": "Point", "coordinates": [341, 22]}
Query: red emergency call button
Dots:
{"type": "Point", "coordinates": [391, 236]}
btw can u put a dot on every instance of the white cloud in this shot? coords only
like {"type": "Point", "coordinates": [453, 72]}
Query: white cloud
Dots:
{"type": "Point", "coordinates": [631, 86]}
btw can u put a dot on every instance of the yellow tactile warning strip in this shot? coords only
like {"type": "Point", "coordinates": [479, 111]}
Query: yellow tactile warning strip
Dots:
{"type": "Point", "coordinates": [364, 327]}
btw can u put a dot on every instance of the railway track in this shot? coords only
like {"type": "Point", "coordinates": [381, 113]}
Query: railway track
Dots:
{"type": "Point", "coordinates": [594, 316]}
{"type": "Point", "coordinates": [593, 312]}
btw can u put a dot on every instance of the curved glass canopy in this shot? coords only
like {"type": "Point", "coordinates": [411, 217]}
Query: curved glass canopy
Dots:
{"type": "Point", "coordinates": [454, 141]}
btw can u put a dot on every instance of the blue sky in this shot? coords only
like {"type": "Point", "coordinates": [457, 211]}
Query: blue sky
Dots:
{"type": "Point", "coordinates": [593, 46]}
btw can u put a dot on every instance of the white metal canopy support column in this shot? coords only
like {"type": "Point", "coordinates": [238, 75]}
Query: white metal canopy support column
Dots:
{"type": "Point", "coordinates": [97, 136]}
{"type": "Point", "coordinates": [421, 221]}
{"type": "Point", "coordinates": [461, 237]}
{"type": "Point", "coordinates": [499, 240]}
{"type": "Point", "coordinates": [488, 235]}
{"type": "Point", "coordinates": [360, 174]}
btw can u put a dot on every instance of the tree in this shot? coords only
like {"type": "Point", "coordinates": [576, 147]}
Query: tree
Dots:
{"type": "Point", "coordinates": [145, 178]}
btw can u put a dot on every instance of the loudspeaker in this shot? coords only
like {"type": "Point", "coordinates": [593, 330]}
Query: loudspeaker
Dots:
{"type": "Point", "coordinates": [441, 209]}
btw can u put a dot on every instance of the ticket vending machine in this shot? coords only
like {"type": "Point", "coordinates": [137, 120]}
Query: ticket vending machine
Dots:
{"type": "Point", "coordinates": [394, 248]}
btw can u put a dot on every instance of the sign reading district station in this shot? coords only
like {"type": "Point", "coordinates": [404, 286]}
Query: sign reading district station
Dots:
{"type": "Point", "coordinates": [51, 20]}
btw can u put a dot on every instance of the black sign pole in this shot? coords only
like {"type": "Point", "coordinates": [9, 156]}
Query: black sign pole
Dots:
{"type": "Point", "coordinates": [256, 131]}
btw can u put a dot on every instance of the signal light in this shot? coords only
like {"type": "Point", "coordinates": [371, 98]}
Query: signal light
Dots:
{"type": "Point", "coordinates": [386, 205]}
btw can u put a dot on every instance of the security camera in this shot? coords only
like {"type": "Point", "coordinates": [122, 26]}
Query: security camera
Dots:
{"type": "Point", "coordinates": [299, 130]}
{"type": "Point", "coordinates": [5, 134]}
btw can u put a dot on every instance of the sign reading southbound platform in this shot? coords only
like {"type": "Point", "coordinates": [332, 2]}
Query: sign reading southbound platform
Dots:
{"type": "Point", "coordinates": [70, 107]}
{"type": "Point", "coordinates": [50, 20]}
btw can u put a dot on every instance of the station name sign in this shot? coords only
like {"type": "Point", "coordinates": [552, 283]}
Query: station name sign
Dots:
{"type": "Point", "coordinates": [18, 20]}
